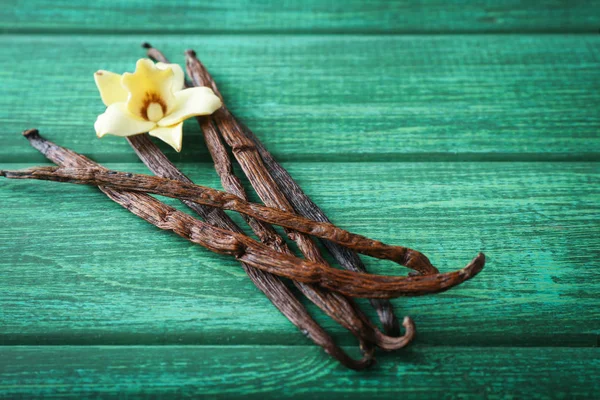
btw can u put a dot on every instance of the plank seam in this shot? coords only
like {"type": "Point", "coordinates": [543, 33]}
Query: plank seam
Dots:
{"type": "Point", "coordinates": [290, 32]}
{"type": "Point", "coordinates": [201, 159]}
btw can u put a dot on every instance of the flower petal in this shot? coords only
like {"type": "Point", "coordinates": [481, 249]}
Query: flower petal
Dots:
{"type": "Point", "coordinates": [178, 77]}
{"type": "Point", "coordinates": [147, 85]}
{"type": "Point", "coordinates": [117, 121]}
{"type": "Point", "coordinates": [171, 135]}
{"type": "Point", "coordinates": [109, 85]}
{"type": "Point", "coordinates": [191, 102]}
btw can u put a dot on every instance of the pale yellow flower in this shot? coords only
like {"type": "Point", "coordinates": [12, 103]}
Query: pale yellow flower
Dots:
{"type": "Point", "coordinates": [153, 100]}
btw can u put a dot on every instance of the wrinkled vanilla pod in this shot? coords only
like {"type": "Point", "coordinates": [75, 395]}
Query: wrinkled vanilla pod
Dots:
{"type": "Point", "coordinates": [206, 196]}
{"type": "Point", "coordinates": [158, 163]}
{"type": "Point", "coordinates": [248, 250]}
{"type": "Point", "coordinates": [307, 208]}
{"type": "Point", "coordinates": [332, 304]}
{"type": "Point", "coordinates": [251, 163]}
{"type": "Point", "coordinates": [341, 309]}
{"type": "Point", "coordinates": [336, 306]}
{"type": "Point", "coordinates": [301, 203]}
{"type": "Point", "coordinates": [201, 76]}
{"type": "Point", "coordinates": [269, 284]}
{"type": "Point", "coordinates": [340, 312]}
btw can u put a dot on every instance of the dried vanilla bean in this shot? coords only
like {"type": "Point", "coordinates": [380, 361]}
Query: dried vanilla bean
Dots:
{"type": "Point", "coordinates": [261, 256]}
{"type": "Point", "coordinates": [158, 163]}
{"type": "Point", "coordinates": [347, 259]}
{"type": "Point", "coordinates": [360, 326]}
{"type": "Point", "coordinates": [340, 311]}
{"type": "Point", "coordinates": [215, 198]}
{"type": "Point", "coordinates": [149, 153]}
{"type": "Point", "coordinates": [269, 284]}
{"type": "Point", "coordinates": [336, 306]}
{"type": "Point", "coordinates": [307, 208]}
{"type": "Point", "coordinates": [248, 250]}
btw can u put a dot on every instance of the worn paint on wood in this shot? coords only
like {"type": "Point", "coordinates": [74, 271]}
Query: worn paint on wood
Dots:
{"type": "Point", "coordinates": [304, 17]}
{"type": "Point", "coordinates": [323, 98]}
{"type": "Point", "coordinates": [115, 279]}
{"type": "Point", "coordinates": [298, 371]}
{"type": "Point", "coordinates": [475, 124]}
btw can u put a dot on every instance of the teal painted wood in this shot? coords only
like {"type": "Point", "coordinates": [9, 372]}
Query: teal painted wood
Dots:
{"type": "Point", "coordinates": [297, 371]}
{"type": "Point", "coordinates": [348, 16]}
{"type": "Point", "coordinates": [78, 269]}
{"type": "Point", "coordinates": [324, 98]}
{"type": "Point", "coordinates": [378, 111]}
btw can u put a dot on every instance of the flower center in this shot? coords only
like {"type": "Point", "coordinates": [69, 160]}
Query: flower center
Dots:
{"type": "Point", "coordinates": [153, 107]}
{"type": "Point", "coordinates": [154, 112]}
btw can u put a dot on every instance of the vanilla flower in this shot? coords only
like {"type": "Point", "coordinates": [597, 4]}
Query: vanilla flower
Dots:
{"type": "Point", "coordinates": [153, 100]}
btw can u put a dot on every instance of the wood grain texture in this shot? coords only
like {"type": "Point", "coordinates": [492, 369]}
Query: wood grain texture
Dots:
{"type": "Point", "coordinates": [332, 98]}
{"type": "Point", "coordinates": [299, 372]}
{"type": "Point", "coordinates": [269, 16]}
{"type": "Point", "coordinates": [454, 113]}
{"type": "Point", "coordinates": [113, 279]}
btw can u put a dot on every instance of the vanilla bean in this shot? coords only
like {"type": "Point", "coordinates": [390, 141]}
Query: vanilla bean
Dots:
{"type": "Point", "coordinates": [158, 163]}
{"type": "Point", "coordinates": [261, 256]}
{"type": "Point", "coordinates": [346, 258]}
{"type": "Point", "coordinates": [307, 208]}
{"type": "Point", "coordinates": [304, 206]}
{"type": "Point", "coordinates": [269, 284]}
{"type": "Point", "coordinates": [334, 305]}
{"type": "Point", "coordinates": [248, 250]}
{"type": "Point", "coordinates": [338, 307]}
{"type": "Point", "coordinates": [341, 312]}
{"type": "Point", "coordinates": [206, 196]}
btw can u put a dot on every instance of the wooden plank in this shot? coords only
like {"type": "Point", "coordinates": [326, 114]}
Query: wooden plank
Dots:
{"type": "Point", "coordinates": [297, 371]}
{"type": "Point", "coordinates": [328, 98]}
{"type": "Point", "coordinates": [78, 269]}
{"type": "Point", "coordinates": [348, 16]}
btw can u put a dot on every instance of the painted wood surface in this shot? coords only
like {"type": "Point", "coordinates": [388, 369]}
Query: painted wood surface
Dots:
{"type": "Point", "coordinates": [90, 272]}
{"type": "Point", "coordinates": [300, 372]}
{"type": "Point", "coordinates": [390, 98]}
{"type": "Point", "coordinates": [334, 16]}
{"type": "Point", "coordinates": [451, 128]}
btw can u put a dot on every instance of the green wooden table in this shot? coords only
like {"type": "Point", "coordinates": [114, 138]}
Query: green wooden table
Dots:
{"type": "Point", "coordinates": [475, 124]}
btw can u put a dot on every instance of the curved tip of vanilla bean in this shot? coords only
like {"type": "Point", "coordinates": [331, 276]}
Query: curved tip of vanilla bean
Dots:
{"type": "Point", "coordinates": [386, 287]}
{"type": "Point", "coordinates": [476, 265]}
{"type": "Point", "coordinates": [190, 52]}
{"type": "Point", "coordinates": [468, 272]}
{"type": "Point", "coordinates": [390, 343]}
{"type": "Point", "coordinates": [146, 45]}
{"type": "Point", "coordinates": [367, 360]}
{"type": "Point", "coordinates": [409, 327]}
{"type": "Point", "coordinates": [28, 133]}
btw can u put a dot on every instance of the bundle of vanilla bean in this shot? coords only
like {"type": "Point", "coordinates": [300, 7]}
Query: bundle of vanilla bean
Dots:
{"type": "Point", "coordinates": [286, 205]}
